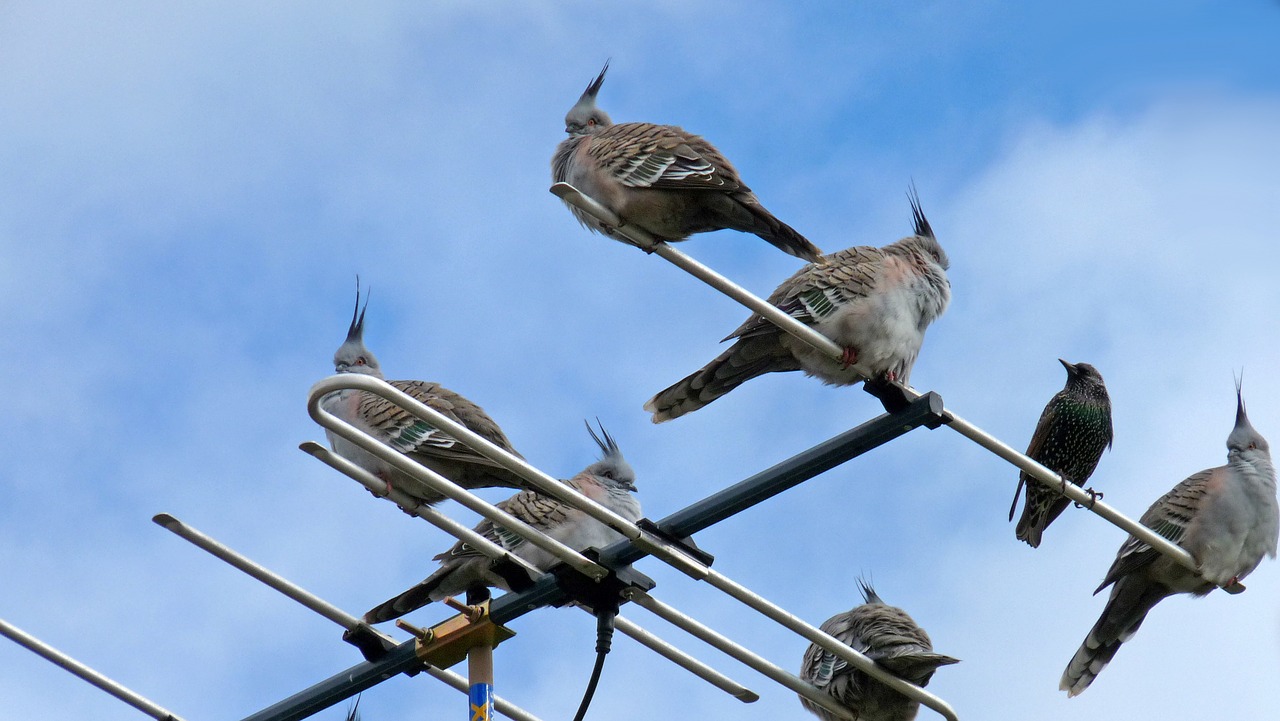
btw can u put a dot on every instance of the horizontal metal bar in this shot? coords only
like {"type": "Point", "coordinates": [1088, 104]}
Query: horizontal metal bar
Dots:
{"type": "Point", "coordinates": [536, 478]}
{"type": "Point", "coordinates": [740, 652]}
{"type": "Point", "coordinates": [460, 683]}
{"type": "Point", "coordinates": [633, 234]}
{"type": "Point", "coordinates": [261, 573]}
{"type": "Point", "coordinates": [341, 686]}
{"type": "Point", "coordinates": [802, 466]}
{"type": "Point", "coordinates": [684, 660]}
{"type": "Point", "coordinates": [62, 660]}
{"type": "Point", "coordinates": [828, 642]}
{"type": "Point", "coordinates": [412, 506]}
{"type": "Point", "coordinates": [436, 482]}
{"type": "Point", "coordinates": [544, 483]}
{"type": "Point", "coordinates": [820, 342]}
{"type": "Point", "coordinates": [493, 550]}
{"type": "Point", "coordinates": [315, 603]}
{"type": "Point", "coordinates": [647, 242]}
{"type": "Point", "coordinates": [1048, 478]}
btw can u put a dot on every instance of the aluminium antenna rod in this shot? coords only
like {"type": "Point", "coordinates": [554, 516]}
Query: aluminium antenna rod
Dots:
{"type": "Point", "coordinates": [546, 590]}
{"type": "Point", "coordinates": [494, 551]}
{"type": "Point", "coordinates": [313, 602]}
{"type": "Point", "coordinates": [658, 548]}
{"type": "Point", "coordinates": [736, 650]}
{"type": "Point", "coordinates": [415, 507]}
{"type": "Point", "coordinates": [433, 480]}
{"type": "Point", "coordinates": [786, 323]}
{"type": "Point", "coordinates": [58, 658]}
{"type": "Point", "coordinates": [682, 659]}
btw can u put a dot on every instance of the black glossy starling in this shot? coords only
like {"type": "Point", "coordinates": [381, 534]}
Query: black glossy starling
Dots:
{"type": "Point", "coordinates": [1072, 433]}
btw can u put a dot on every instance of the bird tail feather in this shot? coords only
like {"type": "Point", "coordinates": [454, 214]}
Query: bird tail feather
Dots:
{"type": "Point", "coordinates": [1043, 506]}
{"type": "Point", "coordinates": [782, 236]}
{"type": "Point", "coordinates": [408, 601]}
{"type": "Point", "coordinates": [916, 667]}
{"type": "Point", "coordinates": [1127, 607]}
{"type": "Point", "coordinates": [744, 360]}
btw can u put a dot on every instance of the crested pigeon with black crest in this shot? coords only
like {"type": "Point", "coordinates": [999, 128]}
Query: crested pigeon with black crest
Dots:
{"type": "Point", "coordinates": [874, 302]}
{"type": "Point", "coordinates": [1227, 519]}
{"type": "Point", "coordinates": [406, 433]}
{"type": "Point", "coordinates": [609, 481]}
{"type": "Point", "coordinates": [885, 634]}
{"type": "Point", "coordinates": [662, 179]}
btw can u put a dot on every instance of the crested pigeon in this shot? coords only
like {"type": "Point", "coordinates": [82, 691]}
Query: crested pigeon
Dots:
{"type": "Point", "coordinates": [609, 481]}
{"type": "Point", "coordinates": [1073, 431]}
{"type": "Point", "coordinates": [405, 432]}
{"type": "Point", "coordinates": [1225, 517]}
{"type": "Point", "coordinates": [886, 635]}
{"type": "Point", "coordinates": [662, 179]}
{"type": "Point", "coordinates": [875, 302]}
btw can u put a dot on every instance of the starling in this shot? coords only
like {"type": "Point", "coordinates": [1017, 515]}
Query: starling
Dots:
{"type": "Point", "coordinates": [1074, 429]}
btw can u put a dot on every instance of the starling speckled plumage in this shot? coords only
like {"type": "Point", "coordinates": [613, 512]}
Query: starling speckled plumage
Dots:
{"type": "Point", "coordinates": [1074, 430]}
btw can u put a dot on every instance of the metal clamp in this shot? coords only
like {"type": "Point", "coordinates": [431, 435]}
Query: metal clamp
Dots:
{"type": "Point", "coordinates": [448, 642]}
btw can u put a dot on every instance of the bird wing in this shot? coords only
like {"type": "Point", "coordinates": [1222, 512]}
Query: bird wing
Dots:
{"type": "Point", "coordinates": [411, 435]}
{"type": "Point", "coordinates": [821, 666]}
{"type": "Point", "coordinates": [645, 155]}
{"type": "Point", "coordinates": [1170, 516]}
{"type": "Point", "coordinates": [541, 512]}
{"type": "Point", "coordinates": [1037, 444]}
{"type": "Point", "coordinates": [817, 291]}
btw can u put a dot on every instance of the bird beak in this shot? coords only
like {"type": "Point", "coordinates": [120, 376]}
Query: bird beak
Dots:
{"type": "Point", "coordinates": [1071, 367]}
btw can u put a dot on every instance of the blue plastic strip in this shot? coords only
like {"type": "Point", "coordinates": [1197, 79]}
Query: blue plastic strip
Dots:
{"type": "Point", "coordinates": [480, 702]}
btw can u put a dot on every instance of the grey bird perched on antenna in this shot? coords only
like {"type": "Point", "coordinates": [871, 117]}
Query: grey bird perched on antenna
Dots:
{"type": "Point", "coordinates": [874, 302]}
{"type": "Point", "coordinates": [609, 481]}
{"type": "Point", "coordinates": [1073, 431]}
{"type": "Point", "coordinates": [886, 635]}
{"type": "Point", "coordinates": [406, 433]}
{"type": "Point", "coordinates": [662, 179]}
{"type": "Point", "coordinates": [1225, 517]}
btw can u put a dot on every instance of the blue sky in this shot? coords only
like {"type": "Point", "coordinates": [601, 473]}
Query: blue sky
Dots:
{"type": "Point", "coordinates": [187, 194]}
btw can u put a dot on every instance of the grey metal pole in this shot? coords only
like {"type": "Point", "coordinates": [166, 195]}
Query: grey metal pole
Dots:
{"type": "Point", "coordinates": [412, 506]}
{"type": "Point", "coordinates": [727, 645]}
{"type": "Point", "coordinates": [658, 548]}
{"type": "Point", "coordinates": [684, 660]}
{"type": "Point", "coordinates": [62, 660]}
{"type": "Point", "coordinates": [433, 480]}
{"type": "Point", "coordinates": [317, 604]}
{"type": "Point", "coordinates": [786, 323]}
{"type": "Point", "coordinates": [492, 550]}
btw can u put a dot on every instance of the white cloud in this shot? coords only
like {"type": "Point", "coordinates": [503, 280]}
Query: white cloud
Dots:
{"type": "Point", "coordinates": [197, 189]}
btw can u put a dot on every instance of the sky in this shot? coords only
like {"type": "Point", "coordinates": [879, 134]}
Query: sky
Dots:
{"type": "Point", "coordinates": [188, 192]}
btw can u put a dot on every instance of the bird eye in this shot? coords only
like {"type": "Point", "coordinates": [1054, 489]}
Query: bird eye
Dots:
{"type": "Point", "coordinates": [1253, 446]}
{"type": "Point", "coordinates": [360, 361]}
{"type": "Point", "coordinates": [591, 121]}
